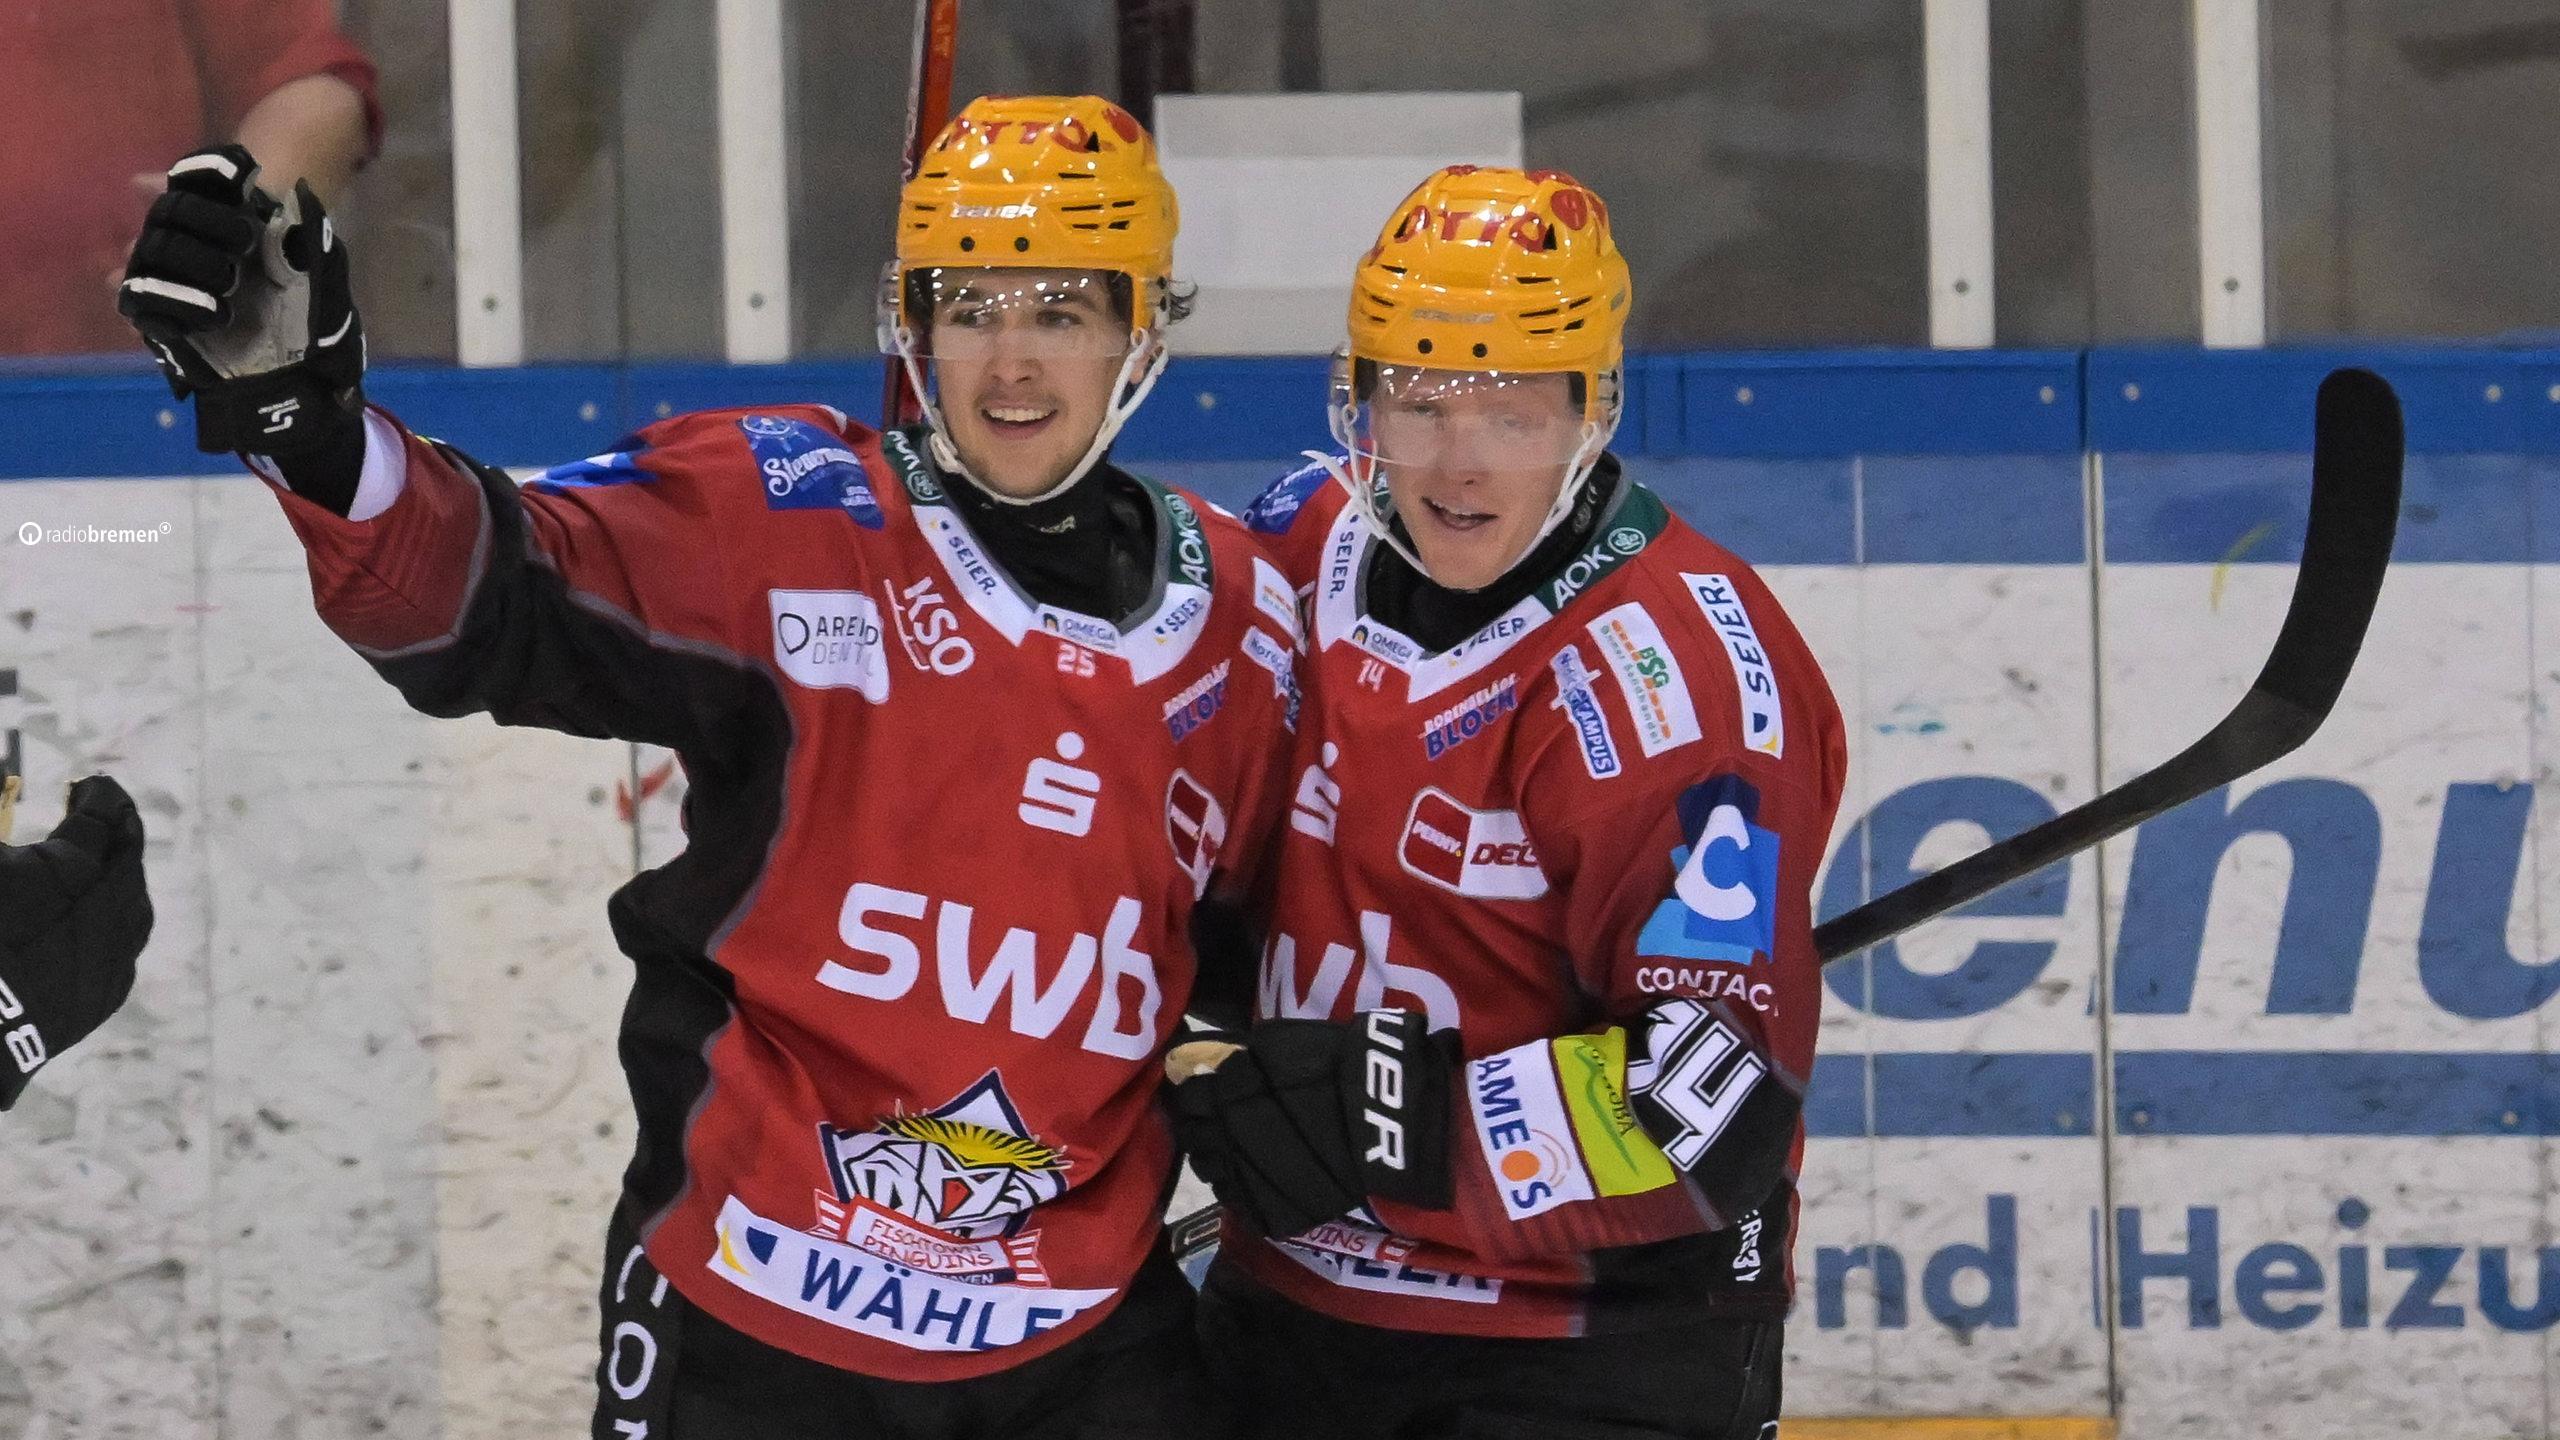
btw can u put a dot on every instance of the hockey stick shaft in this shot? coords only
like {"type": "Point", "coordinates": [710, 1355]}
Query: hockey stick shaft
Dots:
{"type": "Point", "coordinates": [928, 106]}
{"type": "Point", "coordinates": [2355, 505]}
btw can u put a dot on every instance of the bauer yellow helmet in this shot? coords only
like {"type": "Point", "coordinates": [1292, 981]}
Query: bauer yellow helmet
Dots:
{"type": "Point", "coordinates": [1497, 269]}
{"type": "Point", "coordinates": [1483, 276]}
{"type": "Point", "coordinates": [1037, 182]}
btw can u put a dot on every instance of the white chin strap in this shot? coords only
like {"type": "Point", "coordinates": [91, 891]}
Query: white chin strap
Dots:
{"type": "Point", "coordinates": [1370, 495]}
{"type": "Point", "coordinates": [1137, 376]}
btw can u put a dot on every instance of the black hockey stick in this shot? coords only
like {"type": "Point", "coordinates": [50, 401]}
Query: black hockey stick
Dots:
{"type": "Point", "coordinates": [2355, 508]}
{"type": "Point", "coordinates": [937, 50]}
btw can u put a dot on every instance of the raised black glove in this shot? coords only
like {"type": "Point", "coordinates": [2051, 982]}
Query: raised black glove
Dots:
{"type": "Point", "coordinates": [246, 304]}
{"type": "Point", "coordinates": [1312, 1118]}
{"type": "Point", "coordinates": [73, 915]}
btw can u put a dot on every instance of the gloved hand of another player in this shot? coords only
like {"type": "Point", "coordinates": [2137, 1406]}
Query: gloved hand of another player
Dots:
{"type": "Point", "coordinates": [74, 913]}
{"type": "Point", "coordinates": [246, 303]}
{"type": "Point", "coordinates": [1309, 1119]}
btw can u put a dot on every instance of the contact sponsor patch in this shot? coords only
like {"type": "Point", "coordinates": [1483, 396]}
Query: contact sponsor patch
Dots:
{"type": "Point", "coordinates": [853, 1289]}
{"type": "Point", "coordinates": [1763, 719]}
{"type": "Point", "coordinates": [1273, 509]}
{"type": "Point", "coordinates": [1724, 896]}
{"type": "Point", "coordinates": [1528, 1140]}
{"type": "Point", "coordinates": [1657, 695]}
{"type": "Point", "coordinates": [1078, 629]}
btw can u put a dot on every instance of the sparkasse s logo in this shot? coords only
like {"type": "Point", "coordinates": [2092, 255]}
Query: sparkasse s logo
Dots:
{"type": "Point", "coordinates": [1059, 795]}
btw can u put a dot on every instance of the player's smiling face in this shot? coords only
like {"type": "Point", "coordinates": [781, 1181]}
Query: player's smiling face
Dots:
{"type": "Point", "coordinates": [1024, 361]}
{"type": "Point", "coordinates": [1473, 460]}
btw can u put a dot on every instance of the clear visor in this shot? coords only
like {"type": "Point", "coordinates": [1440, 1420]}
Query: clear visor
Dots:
{"type": "Point", "coordinates": [1459, 424]}
{"type": "Point", "coordinates": [1003, 313]}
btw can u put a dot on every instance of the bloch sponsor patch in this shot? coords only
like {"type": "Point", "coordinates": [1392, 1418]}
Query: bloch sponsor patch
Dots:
{"type": "Point", "coordinates": [1481, 854]}
{"type": "Point", "coordinates": [1198, 704]}
{"type": "Point", "coordinates": [854, 1289]}
{"type": "Point", "coordinates": [831, 640]}
{"type": "Point", "coordinates": [1528, 1140]}
{"type": "Point", "coordinates": [1469, 718]}
{"type": "Point", "coordinates": [1764, 726]}
{"type": "Point", "coordinates": [1581, 705]}
{"type": "Point", "coordinates": [1656, 693]}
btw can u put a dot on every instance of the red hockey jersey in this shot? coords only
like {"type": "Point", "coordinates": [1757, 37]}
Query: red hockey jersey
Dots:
{"type": "Point", "coordinates": [1586, 837]}
{"type": "Point", "coordinates": [897, 1010]}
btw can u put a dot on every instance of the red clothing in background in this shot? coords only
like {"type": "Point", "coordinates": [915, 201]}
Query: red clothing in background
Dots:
{"type": "Point", "coordinates": [95, 92]}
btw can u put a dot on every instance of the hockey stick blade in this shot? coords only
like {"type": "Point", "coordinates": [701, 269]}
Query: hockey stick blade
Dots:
{"type": "Point", "coordinates": [2355, 508]}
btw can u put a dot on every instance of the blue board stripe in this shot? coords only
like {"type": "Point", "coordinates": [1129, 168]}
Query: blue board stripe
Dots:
{"type": "Point", "coordinates": [1882, 402]}
{"type": "Point", "coordinates": [2178, 401]}
{"type": "Point", "coordinates": [2334, 1092]}
{"type": "Point", "coordinates": [2188, 1093]}
{"type": "Point", "coordinates": [1980, 1093]}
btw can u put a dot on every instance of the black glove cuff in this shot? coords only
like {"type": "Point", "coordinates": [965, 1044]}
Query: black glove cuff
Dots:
{"type": "Point", "coordinates": [282, 414]}
{"type": "Point", "coordinates": [1399, 1073]}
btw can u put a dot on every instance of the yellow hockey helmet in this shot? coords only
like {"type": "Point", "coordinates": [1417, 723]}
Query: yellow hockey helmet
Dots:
{"type": "Point", "coordinates": [1485, 268]}
{"type": "Point", "coordinates": [1482, 277]}
{"type": "Point", "coordinates": [1056, 182]}
{"type": "Point", "coordinates": [1037, 182]}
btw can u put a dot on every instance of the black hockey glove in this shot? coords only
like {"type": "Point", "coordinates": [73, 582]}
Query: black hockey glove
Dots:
{"type": "Point", "coordinates": [73, 915]}
{"type": "Point", "coordinates": [1312, 1118]}
{"type": "Point", "coordinates": [246, 304]}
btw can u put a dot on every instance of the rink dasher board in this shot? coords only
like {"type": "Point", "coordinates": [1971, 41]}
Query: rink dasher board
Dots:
{"type": "Point", "coordinates": [2434, 741]}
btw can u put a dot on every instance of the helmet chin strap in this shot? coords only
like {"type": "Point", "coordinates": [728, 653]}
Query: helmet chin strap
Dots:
{"type": "Point", "coordinates": [1370, 497]}
{"type": "Point", "coordinates": [1138, 375]}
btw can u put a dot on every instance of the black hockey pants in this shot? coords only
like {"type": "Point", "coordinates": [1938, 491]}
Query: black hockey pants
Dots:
{"type": "Point", "coordinates": [1285, 1371]}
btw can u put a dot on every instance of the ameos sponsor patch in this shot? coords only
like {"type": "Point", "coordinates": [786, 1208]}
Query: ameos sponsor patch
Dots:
{"type": "Point", "coordinates": [1528, 1138]}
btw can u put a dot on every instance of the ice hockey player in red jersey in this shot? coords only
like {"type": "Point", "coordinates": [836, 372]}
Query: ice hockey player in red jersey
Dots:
{"type": "Point", "coordinates": [972, 719]}
{"type": "Point", "coordinates": [1510, 1147]}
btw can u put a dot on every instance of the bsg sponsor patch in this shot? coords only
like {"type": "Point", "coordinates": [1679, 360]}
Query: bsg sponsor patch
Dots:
{"type": "Point", "coordinates": [1657, 695]}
